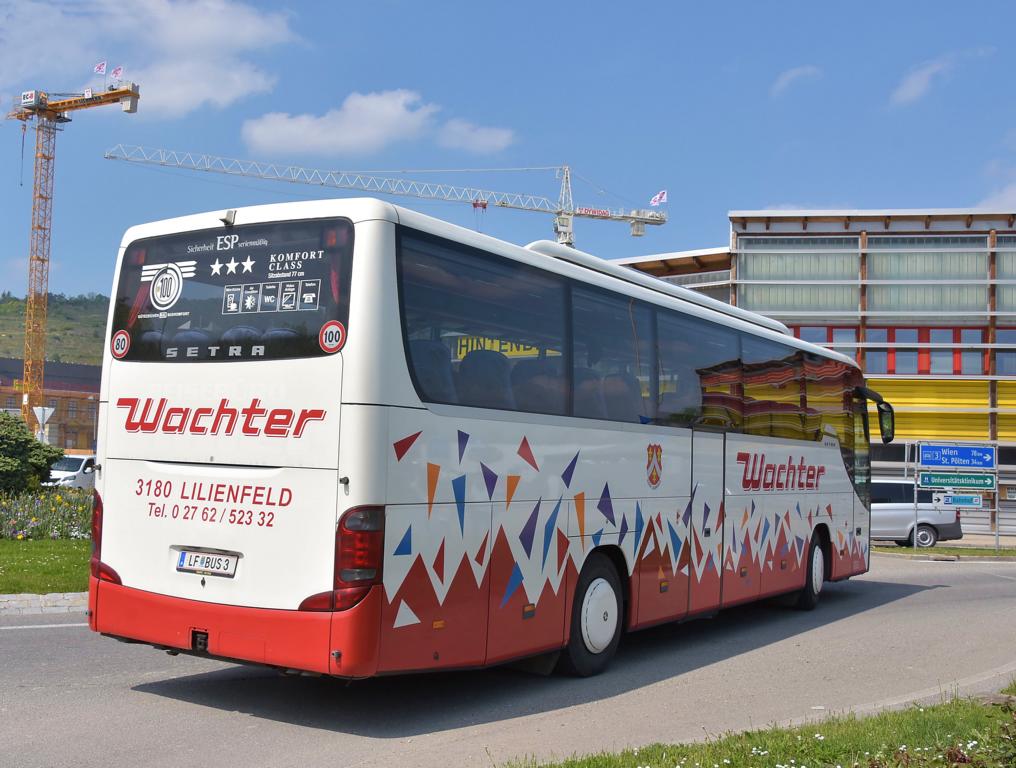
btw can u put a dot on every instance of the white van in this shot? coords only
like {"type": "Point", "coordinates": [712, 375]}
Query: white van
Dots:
{"type": "Point", "coordinates": [73, 472]}
{"type": "Point", "coordinates": [892, 514]}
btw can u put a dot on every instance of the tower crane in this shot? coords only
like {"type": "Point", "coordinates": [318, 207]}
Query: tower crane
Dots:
{"type": "Point", "coordinates": [49, 112]}
{"type": "Point", "coordinates": [563, 210]}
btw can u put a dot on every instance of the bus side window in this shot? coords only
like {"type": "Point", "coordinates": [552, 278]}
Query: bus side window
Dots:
{"type": "Point", "coordinates": [613, 338]}
{"type": "Point", "coordinates": [699, 373]}
{"type": "Point", "coordinates": [481, 330]}
{"type": "Point", "coordinates": [772, 379]}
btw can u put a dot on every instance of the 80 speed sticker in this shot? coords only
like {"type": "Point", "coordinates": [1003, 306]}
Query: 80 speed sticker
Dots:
{"type": "Point", "coordinates": [120, 344]}
{"type": "Point", "coordinates": [332, 336]}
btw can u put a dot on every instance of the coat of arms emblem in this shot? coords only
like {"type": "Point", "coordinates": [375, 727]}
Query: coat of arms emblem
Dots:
{"type": "Point", "coordinates": [654, 464]}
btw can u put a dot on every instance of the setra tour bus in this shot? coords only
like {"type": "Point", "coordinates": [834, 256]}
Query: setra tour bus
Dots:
{"type": "Point", "coordinates": [345, 438]}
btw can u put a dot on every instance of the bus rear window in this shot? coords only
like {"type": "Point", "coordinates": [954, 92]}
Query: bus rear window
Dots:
{"type": "Point", "coordinates": [254, 292]}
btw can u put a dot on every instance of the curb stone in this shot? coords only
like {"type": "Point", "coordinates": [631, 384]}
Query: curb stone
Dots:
{"type": "Point", "coordinates": [54, 602]}
{"type": "Point", "coordinates": [947, 558]}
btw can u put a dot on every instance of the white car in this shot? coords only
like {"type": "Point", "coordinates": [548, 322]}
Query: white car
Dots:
{"type": "Point", "coordinates": [73, 472]}
{"type": "Point", "coordinates": [892, 515]}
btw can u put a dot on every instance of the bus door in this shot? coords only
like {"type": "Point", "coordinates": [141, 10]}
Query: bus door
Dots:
{"type": "Point", "coordinates": [707, 514]}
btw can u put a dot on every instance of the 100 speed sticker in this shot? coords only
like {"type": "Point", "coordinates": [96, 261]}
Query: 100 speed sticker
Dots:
{"type": "Point", "coordinates": [332, 336]}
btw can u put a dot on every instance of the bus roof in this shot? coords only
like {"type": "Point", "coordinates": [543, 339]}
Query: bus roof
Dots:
{"type": "Point", "coordinates": [543, 253]}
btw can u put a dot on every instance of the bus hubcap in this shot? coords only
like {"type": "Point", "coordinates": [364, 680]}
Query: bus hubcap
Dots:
{"type": "Point", "coordinates": [599, 615]}
{"type": "Point", "coordinates": [817, 570]}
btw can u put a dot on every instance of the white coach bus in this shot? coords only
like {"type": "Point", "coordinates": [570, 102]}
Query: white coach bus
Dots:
{"type": "Point", "coordinates": [346, 438]}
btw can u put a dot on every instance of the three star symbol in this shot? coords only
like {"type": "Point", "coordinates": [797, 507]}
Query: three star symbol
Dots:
{"type": "Point", "coordinates": [248, 265]}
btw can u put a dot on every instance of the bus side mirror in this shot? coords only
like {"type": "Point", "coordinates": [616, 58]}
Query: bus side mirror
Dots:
{"type": "Point", "coordinates": [886, 421]}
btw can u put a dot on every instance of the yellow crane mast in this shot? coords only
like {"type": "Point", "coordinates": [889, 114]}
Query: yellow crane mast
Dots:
{"type": "Point", "coordinates": [48, 113]}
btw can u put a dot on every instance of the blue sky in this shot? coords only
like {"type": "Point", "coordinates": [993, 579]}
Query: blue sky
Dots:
{"type": "Point", "coordinates": [727, 106]}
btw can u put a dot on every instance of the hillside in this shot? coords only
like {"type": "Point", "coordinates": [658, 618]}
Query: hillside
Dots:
{"type": "Point", "coordinates": [75, 328]}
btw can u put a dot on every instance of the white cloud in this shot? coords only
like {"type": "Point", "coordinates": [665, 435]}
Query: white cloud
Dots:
{"type": "Point", "coordinates": [186, 54]}
{"type": "Point", "coordinates": [791, 76]}
{"type": "Point", "coordinates": [366, 122]}
{"type": "Point", "coordinates": [461, 134]}
{"type": "Point", "coordinates": [1001, 201]}
{"type": "Point", "coordinates": [918, 81]}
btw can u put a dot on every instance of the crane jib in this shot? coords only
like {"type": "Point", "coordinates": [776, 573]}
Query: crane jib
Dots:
{"type": "Point", "coordinates": [562, 209]}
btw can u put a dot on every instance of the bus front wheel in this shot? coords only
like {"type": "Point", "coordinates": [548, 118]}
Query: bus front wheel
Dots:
{"type": "Point", "coordinates": [596, 618]}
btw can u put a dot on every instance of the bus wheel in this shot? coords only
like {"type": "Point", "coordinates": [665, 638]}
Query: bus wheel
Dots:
{"type": "Point", "coordinates": [596, 619]}
{"type": "Point", "coordinates": [815, 576]}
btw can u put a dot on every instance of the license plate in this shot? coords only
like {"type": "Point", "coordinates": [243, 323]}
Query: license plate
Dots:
{"type": "Point", "coordinates": [208, 563]}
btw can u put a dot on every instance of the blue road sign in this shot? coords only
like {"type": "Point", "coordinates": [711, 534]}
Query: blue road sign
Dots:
{"type": "Point", "coordinates": [957, 456]}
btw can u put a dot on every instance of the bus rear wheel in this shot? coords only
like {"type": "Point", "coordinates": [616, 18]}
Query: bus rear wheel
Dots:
{"type": "Point", "coordinates": [814, 576]}
{"type": "Point", "coordinates": [596, 619]}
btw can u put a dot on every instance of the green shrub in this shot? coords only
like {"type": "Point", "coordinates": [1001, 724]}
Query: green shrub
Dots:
{"type": "Point", "coordinates": [49, 513]}
{"type": "Point", "coordinates": [24, 461]}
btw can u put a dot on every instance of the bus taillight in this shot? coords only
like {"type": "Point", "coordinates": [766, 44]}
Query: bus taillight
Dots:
{"type": "Point", "coordinates": [99, 569]}
{"type": "Point", "coordinates": [359, 554]}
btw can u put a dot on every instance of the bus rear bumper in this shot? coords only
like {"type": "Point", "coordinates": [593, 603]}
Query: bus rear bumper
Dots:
{"type": "Point", "coordinates": [343, 643]}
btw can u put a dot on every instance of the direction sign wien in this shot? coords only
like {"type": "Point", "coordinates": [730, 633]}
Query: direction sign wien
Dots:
{"type": "Point", "coordinates": [957, 456]}
{"type": "Point", "coordinates": [963, 480]}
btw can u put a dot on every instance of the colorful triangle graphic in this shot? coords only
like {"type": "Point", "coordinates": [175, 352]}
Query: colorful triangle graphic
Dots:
{"type": "Point", "coordinates": [580, 514]}
{"type": "Point", "coordinates": [459, 488]}
{"type": "Point", "coordinates": [514, 582]}
{"type": "Point", "coordinates": [527, 454]}
{"type": "Point", "coordinates": [569, 471]}
{"type": "Point", "coordinates": [405, 546]}
{"type": "Point", "coordinates": [528, 532]}
{"type": "Point", "coordinates": [403, 445]}
{"type": "Point", "coordinates": [433, 473]}
{"type": "Point", "coordinates": [489, 479]}
{"type": "Point", "coordinates": [513, 483]}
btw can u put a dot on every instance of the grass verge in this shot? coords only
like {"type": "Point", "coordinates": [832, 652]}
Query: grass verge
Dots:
{"type": "Point", "coordinates": [43, 566]}
{"type": "Point", "coordinates": [961, 551]}
{"type": "Point", "coordinates": [960, 731]}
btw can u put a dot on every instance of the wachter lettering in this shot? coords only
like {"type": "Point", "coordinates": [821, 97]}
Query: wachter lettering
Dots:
{"type": "Point", "coordinates": [253, 420]}
{"type": "Point", "coordinates": [788, 476]}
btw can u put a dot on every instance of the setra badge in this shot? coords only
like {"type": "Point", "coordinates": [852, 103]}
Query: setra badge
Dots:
{"type": "Point", "coordinates": [654, 464]}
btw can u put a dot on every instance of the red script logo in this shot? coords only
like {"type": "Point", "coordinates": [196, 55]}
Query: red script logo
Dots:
{"type": "Point", "coordinates": [149, 415]}
{"type": "Point", "coordinates": [788, 476]}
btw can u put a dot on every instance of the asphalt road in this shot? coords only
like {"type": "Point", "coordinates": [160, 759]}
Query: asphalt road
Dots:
{"type": "Point", "coordinates": [907, 630]}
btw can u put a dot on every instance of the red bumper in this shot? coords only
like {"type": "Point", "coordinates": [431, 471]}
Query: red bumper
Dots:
{"type": "Point", "coordinates": [305, 640]}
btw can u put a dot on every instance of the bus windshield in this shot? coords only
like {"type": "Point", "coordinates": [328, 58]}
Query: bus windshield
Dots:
{"type": "Point", "coordinates": [260, 291]}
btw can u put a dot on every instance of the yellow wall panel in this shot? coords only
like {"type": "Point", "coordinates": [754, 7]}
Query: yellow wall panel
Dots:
{"type": "Point", "coordinates": [1007, 426]}
{"type": "Point", "coordinates": [1007, 394]}
{"type": "Point", "coordinates": [938, 426]}
{"type": "Point", "coordinates": [903, 393]}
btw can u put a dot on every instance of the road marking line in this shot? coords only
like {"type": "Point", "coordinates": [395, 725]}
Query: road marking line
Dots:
{"type": "Point", "coordinates": [44, 626]}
